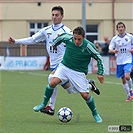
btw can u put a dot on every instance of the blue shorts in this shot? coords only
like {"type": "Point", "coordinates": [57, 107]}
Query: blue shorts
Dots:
{"type": "Point", "coordinates": [122, 69]}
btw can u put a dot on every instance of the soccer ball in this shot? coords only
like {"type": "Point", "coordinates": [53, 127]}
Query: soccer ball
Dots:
{"type": "Point", "coordinates": [65, 114]}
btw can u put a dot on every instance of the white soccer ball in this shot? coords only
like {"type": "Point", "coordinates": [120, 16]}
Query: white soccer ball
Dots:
{"type": "Point", "coordinates": [65, 114]}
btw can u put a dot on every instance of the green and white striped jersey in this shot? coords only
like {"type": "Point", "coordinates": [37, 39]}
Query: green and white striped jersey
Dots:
{"type": "Point", "coordinates": [79, 57]}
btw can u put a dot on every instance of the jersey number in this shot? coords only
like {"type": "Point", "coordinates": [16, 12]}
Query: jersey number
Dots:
{"type": "Point", "coordinates": [53, 50]}
{"type": "Point", "coordinates": [123, 50]}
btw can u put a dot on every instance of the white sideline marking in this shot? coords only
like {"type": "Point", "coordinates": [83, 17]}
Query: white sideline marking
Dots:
{"type": "Point", "coordinates": [31, 73]}
{"type": "Point", "coordinates": [113, 83]}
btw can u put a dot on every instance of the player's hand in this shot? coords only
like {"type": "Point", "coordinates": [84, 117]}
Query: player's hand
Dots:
{"type": "Point", "coordinates": [100, 78]}
{"type": "Point", "coordinates": [55, 47]}
{"type": "Point", "coordinates": [116, 51]}
{"type": "Point", "coordinates": [131, 50]}
{"type": "Point", "coordinates": [11, 40]}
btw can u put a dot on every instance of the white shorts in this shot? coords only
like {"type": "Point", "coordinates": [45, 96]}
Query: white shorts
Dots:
{"type": "Point", "coordinates": [77, 79]}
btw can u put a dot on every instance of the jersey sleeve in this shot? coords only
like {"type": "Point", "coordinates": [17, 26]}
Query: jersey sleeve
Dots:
{"type": "Point", "coordinates": [40, 36]}
{"type": "Point", "coordinates": [112, 44]}
{"type": "Point", "coordinates": [25, 41]}
{"type": "Point", "coordinates": [96, 55]}
{"type": "Point", "coordinates": [62, 38]}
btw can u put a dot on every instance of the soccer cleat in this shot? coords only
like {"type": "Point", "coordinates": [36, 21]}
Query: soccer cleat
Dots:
{"type": "Point", "coordinates": [128, 99]}
{"type": "Point", "coordinates": [38, 107]}
{"type": "Point", "coordinates": [97, 118]}
{"type": "Point", "coordinates": [131, 94]}
{"type": "Point", "coordinates": [47, 110]}
{"type": "Point", "coordinates": [94, 88]}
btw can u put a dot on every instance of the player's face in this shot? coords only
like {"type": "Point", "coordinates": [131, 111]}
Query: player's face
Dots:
{"type": "Point", "coordinates": [121, 29]}
{"type": "Point", "coordinates": [78, 39]}
{"type": "Point", "coordinates": [56, 17]}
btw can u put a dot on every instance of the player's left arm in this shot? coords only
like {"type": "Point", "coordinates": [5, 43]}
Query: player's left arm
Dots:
{"type": "Point", "coordinates": [131, 44]}
{"type": "Point", "coordinates": [96, 55]}
{"type": "Point", "coordinates": [100, 65]}
{"type": "Point", "coordinates": [58, 40]}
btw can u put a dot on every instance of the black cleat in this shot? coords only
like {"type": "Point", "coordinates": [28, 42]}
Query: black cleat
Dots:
{"type": "Point", "coordinates": [94, 88]}
{"type": "Point", "coordinates": [47, 110]}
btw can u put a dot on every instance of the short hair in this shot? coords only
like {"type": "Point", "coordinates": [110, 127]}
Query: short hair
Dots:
{"type": "Point", "coordinates": [119, 24]}
{"type": "Point", "coordinates": [58, 8]}
{"type": "Point", "coordinates": [79, 31]}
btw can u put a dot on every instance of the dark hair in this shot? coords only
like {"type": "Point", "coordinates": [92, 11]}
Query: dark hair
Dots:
{"type": "Point", "coordinates": [119, 24]}
{"type": "Point", "coordinates": [79, 31]}
{"type": "Point", "coordinates": [58, 8]}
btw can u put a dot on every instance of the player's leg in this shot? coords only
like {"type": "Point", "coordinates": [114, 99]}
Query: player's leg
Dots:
{"type": "Point", "coordinates": [120, 74]}
{"type": "Point", "coordinates": [80, 84]}
{"type": "Point", "coordinates": [126, 88]}
{"type": "Point", "coordinates": [131, 73]}
{"type": "Point", "coordinates": [91, 104]}
{"type": "Point", "coordinates": [127, 71]}
{"type": "Point", "coordinates": [68, 87]}
{"type": "Point", "coordinates": [50, 108]}
{"type": "Point", "coordinates": [59, 78]}
{"type": "Point", "coordinates": [48, 93]}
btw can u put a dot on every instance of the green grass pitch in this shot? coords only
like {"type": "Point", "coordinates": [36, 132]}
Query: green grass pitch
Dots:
{"type": "Point", "coordinates": [20, 91]}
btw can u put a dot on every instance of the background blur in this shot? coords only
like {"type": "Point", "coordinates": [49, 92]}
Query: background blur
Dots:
{"type": "Point", "coordinates": [23, 18]}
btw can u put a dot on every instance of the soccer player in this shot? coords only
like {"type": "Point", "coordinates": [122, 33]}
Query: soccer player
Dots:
{"type": "Point", "coordinates": [122, 46]}
{"type": "Point", "coordinates": [48, 34]}
{"type": "Point", "coordinates": [131, 74]}
{"type": "Point", "coordinates": [74, 68]}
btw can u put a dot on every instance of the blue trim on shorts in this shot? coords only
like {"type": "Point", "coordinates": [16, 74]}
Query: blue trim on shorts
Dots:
{"type": "Point", "coordinates": [52, 69]}
{"type": "Point", "coordinates": [64, 84]}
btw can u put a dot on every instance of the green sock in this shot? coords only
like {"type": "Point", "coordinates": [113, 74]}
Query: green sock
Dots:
{"type": "Point", "coordinates": [47, 94]}
{"type": "Point", "coordinates": [91, 104]}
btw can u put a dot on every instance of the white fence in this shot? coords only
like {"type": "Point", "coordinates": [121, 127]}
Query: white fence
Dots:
{"type": "Point", "coordinates": [38, 63]}
{"type": "Point", "coordinates": [22, 63]}
{"type": "Point", "coordinates": [109, 64]}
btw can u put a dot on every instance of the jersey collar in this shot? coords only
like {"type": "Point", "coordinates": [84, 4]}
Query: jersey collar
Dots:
{"type": "Point", "coordinates": [57, 26]}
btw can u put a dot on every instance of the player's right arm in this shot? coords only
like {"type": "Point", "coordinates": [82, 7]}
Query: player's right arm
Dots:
{"type": "Point", "coordinates": [25, 41]}
{"type": "Point", "coordinates": [38, 37]}
{"type": "Point", "coordinates": [112, 47]}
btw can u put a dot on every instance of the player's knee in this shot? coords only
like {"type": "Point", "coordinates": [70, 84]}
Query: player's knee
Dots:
{"type": "Point", "coordinates": [54, 81]}
{"type": "Point", "coordinates": [127, 77]}
{"type": "Point", "coordinates": [85, 95]}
